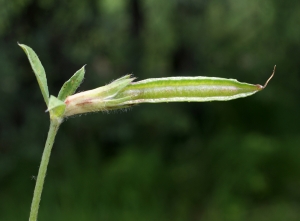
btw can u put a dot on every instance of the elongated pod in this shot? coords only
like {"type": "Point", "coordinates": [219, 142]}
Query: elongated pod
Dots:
{"type": "Point", "coordinates": [123, 92]}
{"type": "Point", "coordinates": [194, 89]}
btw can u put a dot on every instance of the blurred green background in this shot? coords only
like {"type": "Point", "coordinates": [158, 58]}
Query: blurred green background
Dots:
{"type": "Point", "coordinates": [235, 161]}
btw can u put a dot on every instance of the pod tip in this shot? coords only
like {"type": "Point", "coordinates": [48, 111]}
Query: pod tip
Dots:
{"type": "Point", "coordinates": [270, 77]}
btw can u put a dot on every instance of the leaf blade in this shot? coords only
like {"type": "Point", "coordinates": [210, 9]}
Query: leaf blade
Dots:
{"type": "Point", "coordinates": [72, 84]}
{"type": "Point", "coordinates": [38, 70]}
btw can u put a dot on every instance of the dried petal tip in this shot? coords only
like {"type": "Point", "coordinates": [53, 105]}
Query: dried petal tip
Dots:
{"type": "Point", "coordinates": [270, 78]}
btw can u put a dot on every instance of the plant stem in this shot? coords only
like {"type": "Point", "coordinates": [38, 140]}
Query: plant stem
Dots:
{"type": "Point", "coordinates": [54, 125]}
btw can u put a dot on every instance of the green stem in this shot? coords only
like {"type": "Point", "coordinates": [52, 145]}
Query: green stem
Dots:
{"type": "Point", "coordinates": [54, 125]}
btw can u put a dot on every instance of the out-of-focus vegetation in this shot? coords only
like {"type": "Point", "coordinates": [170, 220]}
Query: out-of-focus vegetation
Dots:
{"type": "Point", "coordinates": [236, 160]}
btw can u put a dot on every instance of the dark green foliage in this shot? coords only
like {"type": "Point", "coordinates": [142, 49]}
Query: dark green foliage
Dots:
{"type": "Point", "coordinates": [237, 160]}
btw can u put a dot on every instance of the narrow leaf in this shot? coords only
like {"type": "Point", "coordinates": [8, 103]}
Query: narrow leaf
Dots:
{"type": "Point", "coordinates": [56, 108]}
{"type": "Point", "coordinates": [39, 71]}
{"type": "Point", "coordinates": [71, 85]}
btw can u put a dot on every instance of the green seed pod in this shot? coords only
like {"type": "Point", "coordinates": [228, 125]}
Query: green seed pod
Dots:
{"type": "Point", "coordinates": [123, 93]}
{"type": "Point", "coordinates": [196, 89]}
